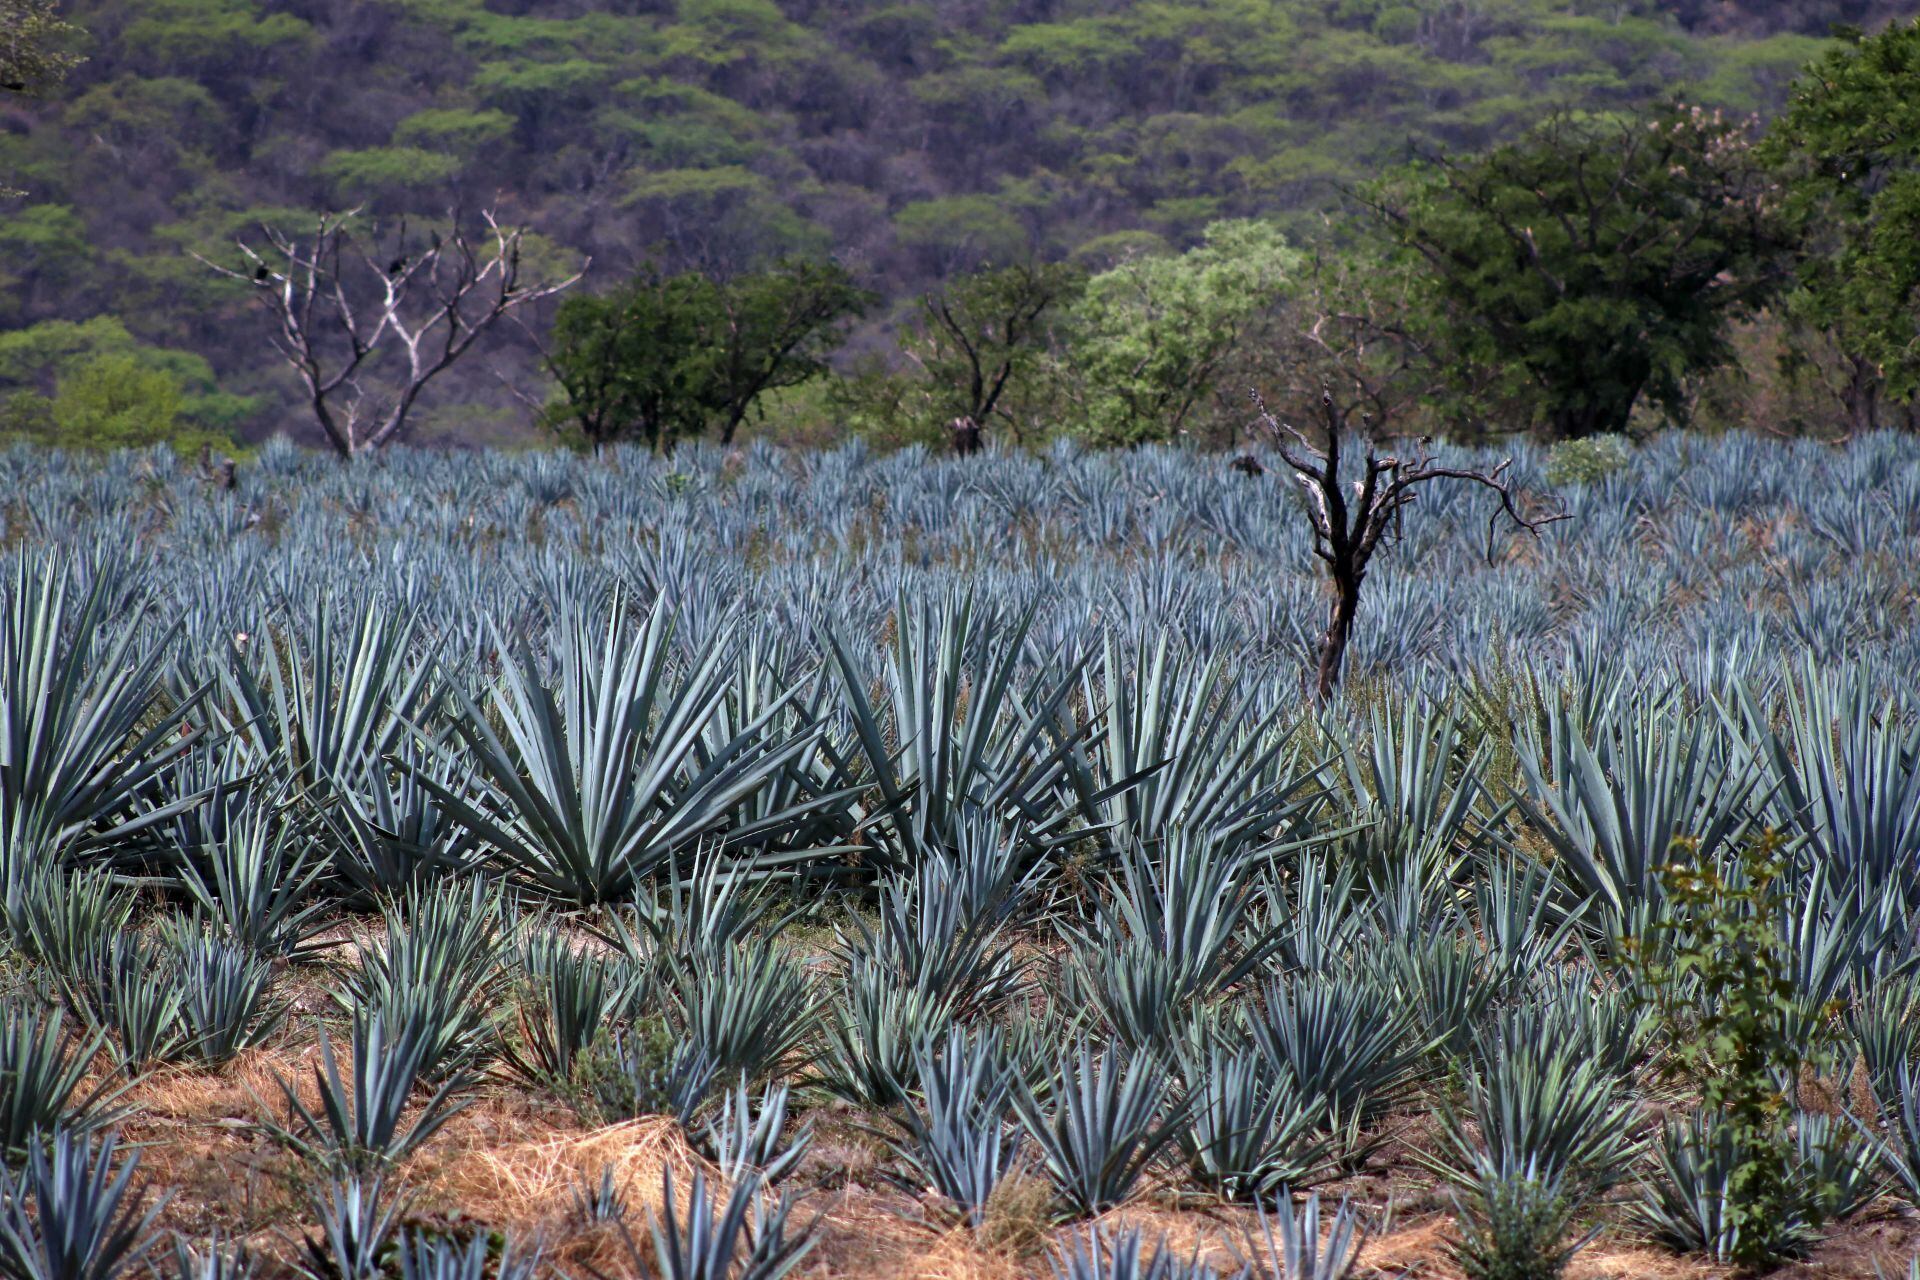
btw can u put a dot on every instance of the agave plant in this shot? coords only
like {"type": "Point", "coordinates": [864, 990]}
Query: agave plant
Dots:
{"type": "Point", "coordinates": [227, 1003]}
{"type": "Point", "coordinates": [746, 1007]}
{"type": "Point", "coordinates": [1611, 799]}
{"type": "Point", "coordinates": [325, 715]}
{"type": "Point", "coordinates": [873, 1031]}
{"type": "Point", "coordinates": [937, 936]}
{"type": "Point", "coordinates": [437, 974]}
{"type": "Point", "coordinates": [1247, 1130]}
{"type": "Point", "coordinates": [480, 1256]}
{"type": "Point", "coordinates": [974, 739]}
{"type": "Point", "coordinates": [1185, 751]}
{"type": "Point", "coordinates": [636, 1076]}
{"type": "Point", "coordinates": [83, 724]}
{"type": "Point", "coordinates": [260, 888]}
{"type": "Point", "coordinates": [128, 986]}
{"type": "Point", "coordinates": [743, 1237]}
{"type": "Point", "coordinates": [1546, 1116]}
{"type": "Point", "coordinates": [1174, 934]}
{"type": "Point", "coordinates": [960, 1139]}
{"type": "Point", "coordinates": [1692, 1201]}
{"type": "Point", "coordinates": [1106, 1119]}
{"type": "Point", "coordinates": [747, 1136]}
{"type": "Point", "coordinates": [85, 1221]}
{"type": "Point", "coordinates": [1341, 1041]}
{"type": "Point", "coordinates": [594, 787]}
{"type": "Point", "coordinates": [1292, 1245]}
{"type": "Point", "coordinates": [358, 1217]}
{"type": "Point", "coordinates": [214, 1259]}
{"type": "Point", "coordinates": [569, 996]}
{"type": "Point", "coordinates": [43, 1067]}
{"type": "Point", "coordinates": [1108, 1254]}
{"type": "Point", "coordinates": [61, 917]}
{"type": "Point", "coordinates": [359, 1123]}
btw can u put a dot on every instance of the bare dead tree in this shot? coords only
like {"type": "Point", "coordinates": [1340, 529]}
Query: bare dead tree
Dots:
{"type": "Point", "coordinates": [1351, 521]}
{"type": "Point", "coordinates": [338, 308]}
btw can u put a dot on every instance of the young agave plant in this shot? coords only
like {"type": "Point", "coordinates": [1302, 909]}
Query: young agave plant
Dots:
{"type": "Point", "coordinates": [1343, 1043]}
{"type": "Point", "coordinates": [358, 1218]}
{"type": "Point", "coordinates": [1172, 934]}
{"type": "Point", "coordinates": [42, 1069]}
{"type": "Point", "coordinates": [747, 1136]}
{"type": "Point", "coordinates": [213, 1260]}
{"type": "Point", "coordinates": [1107, 1254]}
{"type": "Point", "coordinates": [63, 918]}
{"type": "Point", "coordinates": [359, 1122]}
{"type": "Point", "coordinates": [439, 1257]}
{"type": "Point", "coordinates": [69, 1214]}
{"type": "Point", "coordinates": [873, 1031]}
{"type": "Point", "coordinates": [635, 1077]}
{"type": "Point", "coordinates": [227, 1001]}
{"type": "Point", "coordinates": [960, 1140]}
{"type": "Point", "coordinates": [1542, 1115]}
{"type": "Point", "coordinates": [438, 971]}
{"type": "Point", "coordinates": [1290, 1240]}
{"type": "Point", "coordinates": [260, 887]}
{"type": "Point", "coordinates": [568, 997]}
{"type": "Point", "coordinates": [1106, 1120]}
{"type": "Point", "coordinates": [747, 1007]}
{"type": "Point", "coordinates": [129, 987]}
{"type": "Point", "coordinates": [1247, 1131]}
{"type": "Point", "coordinates": [743, 1237]}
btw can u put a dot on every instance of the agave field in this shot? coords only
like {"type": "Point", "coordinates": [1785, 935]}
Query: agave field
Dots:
{"type": "Point", "coordinates": [726, 867]}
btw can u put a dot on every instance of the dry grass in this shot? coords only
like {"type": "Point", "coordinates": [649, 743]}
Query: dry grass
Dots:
{"type": "Point", "coordinates": [510, 1161]}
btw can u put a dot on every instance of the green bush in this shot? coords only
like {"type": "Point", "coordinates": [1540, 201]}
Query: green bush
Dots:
{"type": "Point", "coordinates": [1587, 461]}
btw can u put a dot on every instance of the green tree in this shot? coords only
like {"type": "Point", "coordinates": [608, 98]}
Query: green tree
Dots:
{"type": "Point", "coordinates": [1595, 261]}
{"type": "Point", "coordinates": [35, 50]}
{"type": "Point", "coordinates": [773, 330]}
{"type": "Point", "coordinates": [1152, 337]}
{"type": "Point", "coordinates": [669, 356]}
{"type": "Point", "coordinates": [984, 338]}
{"type": "Point", "coordinates": [628, 362]}
{"type": "Point", "coordinates": [1849, 147]}
{"type": "Point", "coordinates": [113, 402]}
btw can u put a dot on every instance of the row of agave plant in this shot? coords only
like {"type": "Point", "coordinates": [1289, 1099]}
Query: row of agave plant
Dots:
{"type": "Point", "coordinates": [1116, 919]}
{"type": "Point", "coordinates": [1711, 558]}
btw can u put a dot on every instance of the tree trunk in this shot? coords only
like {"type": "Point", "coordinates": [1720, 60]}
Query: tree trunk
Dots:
{"type": "Point", "coordinates": [1861, 396]}
{"type": "Point", "coordinates": [1340, 616]}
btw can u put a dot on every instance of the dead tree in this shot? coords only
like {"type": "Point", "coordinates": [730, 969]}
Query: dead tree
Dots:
{"type": "Point", "coordinates": [338, 308]}
{"type": "Point", "coordinates": [1351, 520]}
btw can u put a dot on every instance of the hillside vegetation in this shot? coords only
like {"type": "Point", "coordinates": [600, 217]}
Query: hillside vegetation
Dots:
{"type": "Point", "coordinates": [913, 142]}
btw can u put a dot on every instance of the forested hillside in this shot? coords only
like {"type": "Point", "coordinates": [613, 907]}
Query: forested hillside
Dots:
{"type": "Point", "coordinates": [912, 141]}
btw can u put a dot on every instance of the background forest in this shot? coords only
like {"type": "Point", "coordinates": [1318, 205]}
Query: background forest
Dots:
{"type": "Point", "coordinates": [910, 143]}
